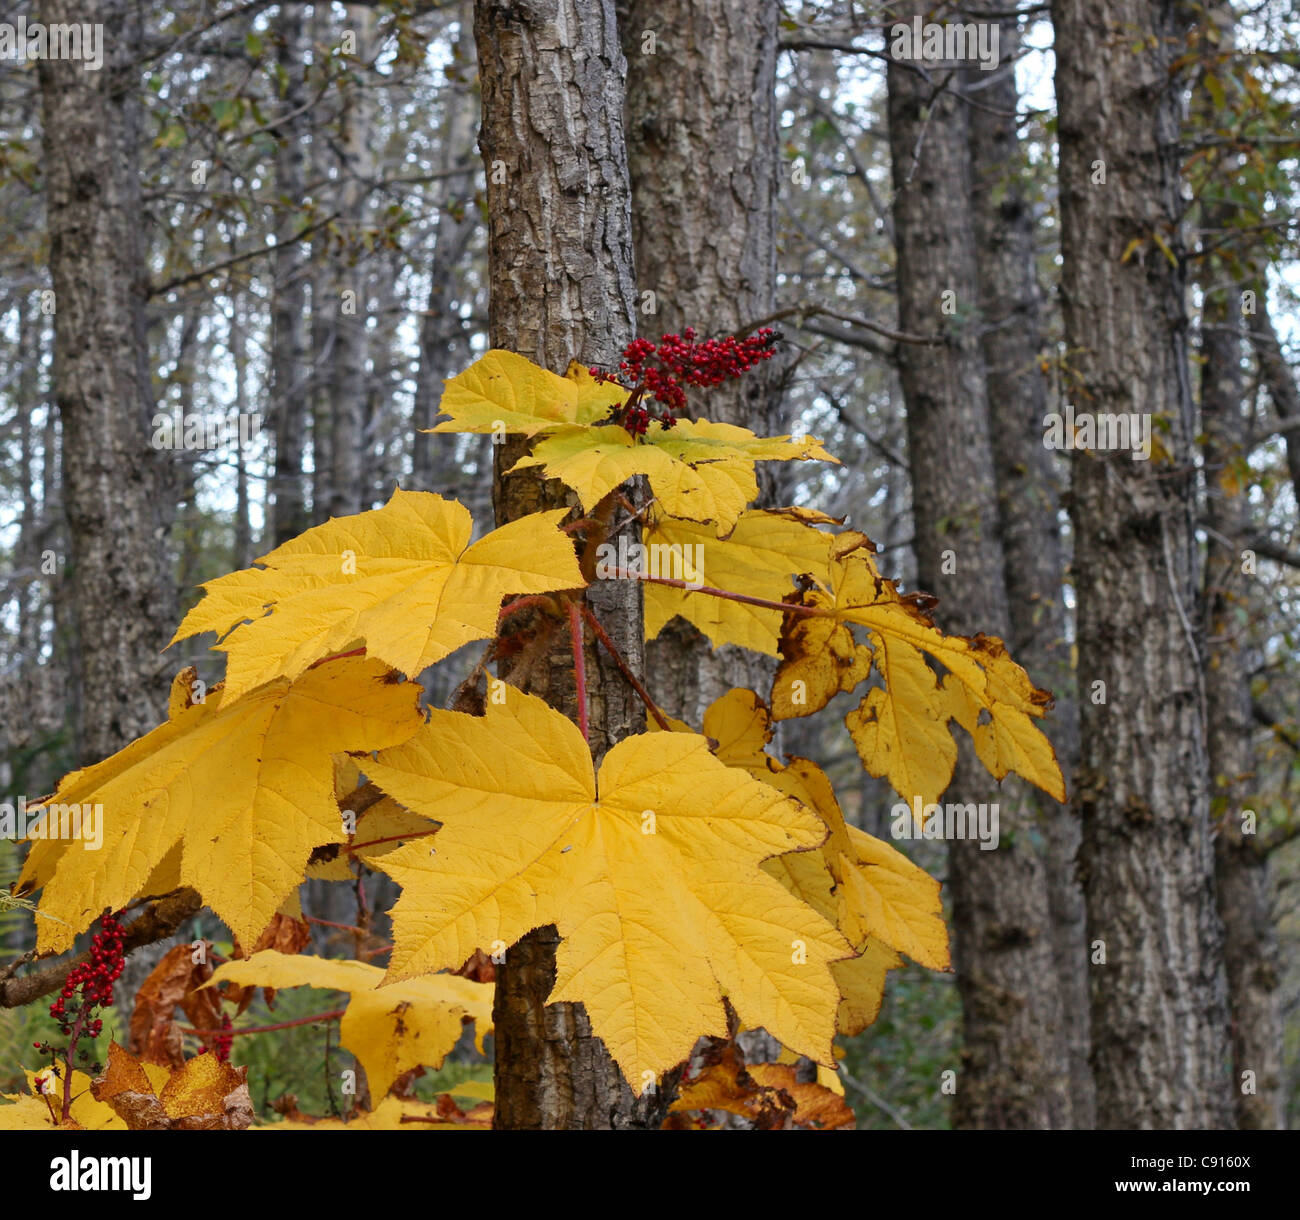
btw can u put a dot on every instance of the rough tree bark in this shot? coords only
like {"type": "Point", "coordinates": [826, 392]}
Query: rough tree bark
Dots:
{"type": "Point", "coordinates": [1158, 1001]}
{"type": "Point", "coordinates": [116, 487]}
{"type": "Point", "coordinates": [1028, 503]}
{"type": "Point", "coordinates": [561, 282]}
{"type": "Point", "coordinates": [1014, 1072]}
{"type": "Point", "coordinates": [702, 156]}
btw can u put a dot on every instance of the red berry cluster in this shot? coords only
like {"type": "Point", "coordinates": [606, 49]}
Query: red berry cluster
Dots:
{"type": "Point", "coordinates": [662, 371]}
{"type": "Point", "coordinates": [94, 977]}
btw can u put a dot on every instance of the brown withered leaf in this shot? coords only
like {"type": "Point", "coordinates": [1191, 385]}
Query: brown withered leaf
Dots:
{"type": "Point", "coordinates": [769, 1095]}
{"type": "Point", "coordinates": [203, 1094]}
{"type": "Point", "coordinates": [480, 967]}
{"type": "Point", "coordinates": [154, 1036]}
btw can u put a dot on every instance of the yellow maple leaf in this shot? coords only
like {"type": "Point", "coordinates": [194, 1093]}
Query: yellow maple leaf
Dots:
{"type": "Point", "coordinates": [245, 789]}
{"type": "Point", "coordinates": [503, 392]}
{"type": "Point", "coordinates": [650, 872]}
{"type": "Point", "coordinates": [698, 470]}
{"type": "Point", "coordinates": [390, 1028]}
{"type": "Point", "coordinates": [902, 732]}
{"type": "Point", "coordinates": [39, 1108]}
{"type": "Point", "coordinates": [879, 899]}
{"type": "Point", "coordinates": [761, 557]}
{"type": "Point", "coordinates": [404, 579]}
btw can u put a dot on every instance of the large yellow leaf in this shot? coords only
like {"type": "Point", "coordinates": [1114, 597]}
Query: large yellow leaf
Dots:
{"type": "Point", "coordinates": [246, 789]}
{"type": "Point", "coordinates": [505, 393]}
{"type": "Point", "coordinates": [391, 1029]}
{"type": "Point", "coordinates": [404, 579]}
{"type": "Point", "coordinates": [652, 874]}
{"type": "Point", "coordinates": [698, 470]}
{"type": "Point", "coordinates": [902, 733]}
{"type": "Point", "coordinates": [759, 558]}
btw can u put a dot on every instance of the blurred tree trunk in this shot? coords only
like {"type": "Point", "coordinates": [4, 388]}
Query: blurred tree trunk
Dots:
{"type": "Point", "coordinates": [560, 274]}
{"type": "Point", "coordinates": [702, 156]}
{"type": "Point", "coordinates": [1029, 505]}
{"type": "Point", "coordinates": [288, 391]}
{"type": "Point", "coordinates": [117, 490]}
{"type": "Point", "coordinates": [1158, 1000]}
{"type": "Point", "coordinates": [1245, 888]}
{"type": "Point", "coordinates": [347, 382]}
{"type": "Point", "coordinates": [1278, 379]}
{"type": "Point", "coordinates": [1014, 1069]}
{"type": "Point", "coordinates": [443, 346]}
{"type": "Point", "coordinates": [1231, 604]}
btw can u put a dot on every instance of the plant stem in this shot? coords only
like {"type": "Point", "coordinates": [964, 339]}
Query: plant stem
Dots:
{"type": "Point", "coordinates": [332, 1015]}
{"type": "Point", "coordinates": [784, 607]}
{"type": "Point", "coordinates": [577, 636]}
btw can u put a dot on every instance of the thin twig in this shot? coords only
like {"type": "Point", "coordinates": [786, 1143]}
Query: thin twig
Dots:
{"type": "Point", "coordinates": [632, 679]}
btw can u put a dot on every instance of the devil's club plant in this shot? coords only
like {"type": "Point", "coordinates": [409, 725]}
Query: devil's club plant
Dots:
{"type": "Point", "coordinates": [697, 881]}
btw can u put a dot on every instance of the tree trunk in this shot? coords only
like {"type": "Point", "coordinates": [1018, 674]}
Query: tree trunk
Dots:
{"type": "Point", "coordinates": [702, 156]}
{"type": "Point", "coordinates": [347, 383]}
{"type": "Point", "coordinates": [1278, 379]}
{"type": "Point", "coordinates": [443, 346]}
{"type": "Point", "coordinates": [1241, 867]}
{"type": "Point", "coordinates": [1158, 997]}
{"type": "Point", "coordinates": [560, 274]}
{"type": "Point", "coordinates": [1029, 507]}
{"type": "Point", "coordinates": [1014, 1073]}
{"type": "Point", "coordinates": [289, 295]}
{"type": "Point", "coordinates": [116, 486]}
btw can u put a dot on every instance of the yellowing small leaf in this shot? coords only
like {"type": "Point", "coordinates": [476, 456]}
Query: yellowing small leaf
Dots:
{"type": "Point", "coordinates": [504, 392]}
{"type": "Point", "coordinates": [245, 789]}
{"type": "Point", "coordinates": [404, 579]}
{"type": "Point", "coordinates": [698, 470]}
{"type": "Point", "coordinates": [652, 876]}
{"type": "Point", "coordinates": [759, 558]}
{"type": "Point", "coordinates": [391, 1029]}
{"type": "Point", "coordinates": [902, 732]}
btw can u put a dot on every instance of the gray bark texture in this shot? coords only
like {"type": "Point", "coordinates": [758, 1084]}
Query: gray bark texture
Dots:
{"type": "Point", "coordinates": [117, 489]}
{"type": "Point", "coordinates": [1029, 504]}
{"type": "Point", "coordinates": [1014, 1073]}
{"type": "Point", "coordinates": [702, 157]}
{"type": "Point", "coordinates": [1158, 1002]}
